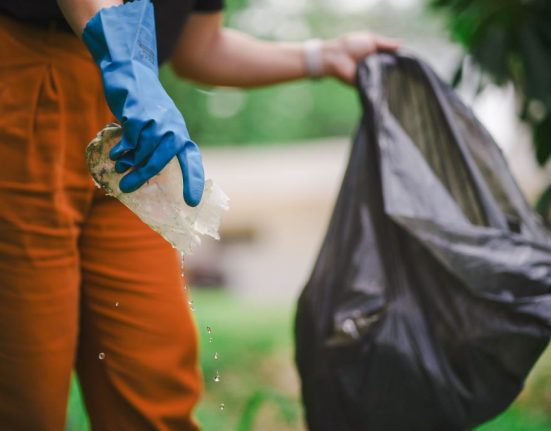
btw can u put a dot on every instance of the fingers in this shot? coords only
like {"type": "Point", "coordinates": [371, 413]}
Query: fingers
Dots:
{"type": "Point", "coordinates": [148, 139]}
{"type": "Point", "coordinates": [130, 133]}
{"type": "Point", "coordinates": [120, 149]}
{"type": "Point", "coordinates": [158, 160]}
{"type": "Point", "coordinates": [385, 43]}
{"type": "Point", "coordinates": [359, 45]}
{"type": "Point", "coordinates": [124, 163]}
{"type": "Point", "coordinates": [191, 165]}
{"type": "Point", "coordinates": [355, 47]}
{"type": "Point", "coordinates": [139, 137]}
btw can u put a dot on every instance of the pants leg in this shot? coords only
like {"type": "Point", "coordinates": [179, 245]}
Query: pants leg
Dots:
{"type": "Point", "coordinates": [42, 200]}
{"type": "Point", "coordinates": [57, 234]}
{"type": "Point", "coordinates": [137, 359]}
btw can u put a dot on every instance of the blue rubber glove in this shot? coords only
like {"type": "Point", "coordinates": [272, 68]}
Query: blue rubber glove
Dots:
{"type": "Point", "coordinates": [123, 44]}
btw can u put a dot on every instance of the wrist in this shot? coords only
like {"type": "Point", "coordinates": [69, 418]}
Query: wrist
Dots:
{"type": "Point", "coordinates": [321, 57]}
{"type": "Point", "coordinates": [313, 58]}
{"type": "Point", "coordinates": [331, 51]}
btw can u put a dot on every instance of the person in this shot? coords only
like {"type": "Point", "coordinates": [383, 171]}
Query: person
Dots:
{"type": "Point", "coordinates": [83, 282]}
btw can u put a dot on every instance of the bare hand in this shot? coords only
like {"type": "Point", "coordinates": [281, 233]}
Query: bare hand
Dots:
{"type": "Point", "coordinates": [341, 55]}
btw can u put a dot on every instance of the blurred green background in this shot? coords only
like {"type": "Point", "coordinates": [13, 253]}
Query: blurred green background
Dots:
{"type": "Point", "coordinates": [259, 388]}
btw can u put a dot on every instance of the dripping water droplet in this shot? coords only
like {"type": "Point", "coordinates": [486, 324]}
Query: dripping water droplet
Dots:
{"type": "Point", "coordinates": [101, 356]}
{"type": "Point", "coordinates": [217, 377]}
{"type": "Point", "coordinates": [216, 355]}
{"type": "Point", "coordinates": [221, 406]}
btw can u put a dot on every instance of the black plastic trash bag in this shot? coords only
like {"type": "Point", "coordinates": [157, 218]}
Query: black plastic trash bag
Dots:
{"type": "Point", "coordinates": [430, 300]}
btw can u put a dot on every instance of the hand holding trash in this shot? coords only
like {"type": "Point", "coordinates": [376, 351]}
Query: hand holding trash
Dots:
{"type": "Point", "coordinates": [340, 56]}
{"type": "Point", "coordinates": [159, 202]}
{"type": "Point", "coordinates": [123, 44]}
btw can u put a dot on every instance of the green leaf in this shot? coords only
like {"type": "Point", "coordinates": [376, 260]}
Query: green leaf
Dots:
{"type": "Point", "coordinates": [543, 205]}
{"type": "Point", "coordinates": [542, 140]}
{"type": "Point", "coordinates": [286, 407]}
{"type": "Point", "coordinates": [458, 74]}
{"type": "Point", "coordinates": [537, 63]}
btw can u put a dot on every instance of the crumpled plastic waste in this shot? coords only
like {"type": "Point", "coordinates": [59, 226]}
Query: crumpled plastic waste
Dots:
{"type": "Point", "coordinates": [159, 202]}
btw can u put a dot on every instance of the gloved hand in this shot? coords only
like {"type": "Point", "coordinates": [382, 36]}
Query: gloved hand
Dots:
{"type": "Point", "coordinates": [123, 44]}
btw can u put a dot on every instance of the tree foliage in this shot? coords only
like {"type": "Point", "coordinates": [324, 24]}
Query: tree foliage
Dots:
{"type": "Point", "coordinates": [511, 41]}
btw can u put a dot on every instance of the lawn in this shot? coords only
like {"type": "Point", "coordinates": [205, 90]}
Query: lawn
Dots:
{"type": "Point", "coordinates": [258, 386]}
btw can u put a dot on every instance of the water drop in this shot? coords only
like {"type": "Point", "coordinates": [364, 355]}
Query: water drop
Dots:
{"type": "Point", "coordinates": [209, 329]}
{"type": "Point", "coordinates": [221, 406]}
{"type": "Point", "coordinates": [117, 304]}
{"type": "Point", "coordinates": [101, 356]}
{"type": "Point", "coordinates": [216, 355]}
{"type": "Point", "coordinates": [210, 339]}
{"type": "Point", "coordinates": [217, 377]}
{"type": "Point", "coordinates": [191, 306]}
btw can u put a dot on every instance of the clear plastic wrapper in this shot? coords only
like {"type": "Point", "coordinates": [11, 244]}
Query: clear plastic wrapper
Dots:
{"type": "Point", "coordinates": [159, 202]}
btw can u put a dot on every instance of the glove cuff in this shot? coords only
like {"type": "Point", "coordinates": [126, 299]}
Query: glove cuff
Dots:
{"type": "Point", "coordinates": [121, 34]}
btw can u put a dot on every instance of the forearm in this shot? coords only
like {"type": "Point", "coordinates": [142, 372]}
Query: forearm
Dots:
{"type": "Point", "coordinates": [208, 54]}
{"type": "Point", "coordinates": [238, 60]}
{"type": "Point", "coordinates": [78, 12]}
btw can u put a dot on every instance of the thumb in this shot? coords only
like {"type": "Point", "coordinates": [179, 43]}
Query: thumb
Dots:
{"type": "Point", "coordinates": [193, 175]}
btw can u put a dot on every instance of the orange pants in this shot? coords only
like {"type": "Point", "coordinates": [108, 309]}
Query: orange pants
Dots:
{"type": "Point", "coordinates": [83, 282]}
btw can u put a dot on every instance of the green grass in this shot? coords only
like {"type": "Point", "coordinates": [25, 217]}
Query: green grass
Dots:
{"type": "Point", "coordinates": [257, 376]}
{"type": "Point", "coordinates": [259, 386]}
{"type": "Point", "coordinates": [518, 419]}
